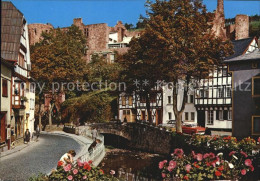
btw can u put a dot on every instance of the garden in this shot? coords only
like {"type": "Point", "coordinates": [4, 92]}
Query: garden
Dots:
{"type": "Point", "coordinates": [211, 158]}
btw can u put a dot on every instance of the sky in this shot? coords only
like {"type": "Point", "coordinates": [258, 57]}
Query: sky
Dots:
{"type": "Point", "coordinates": [60, 13]}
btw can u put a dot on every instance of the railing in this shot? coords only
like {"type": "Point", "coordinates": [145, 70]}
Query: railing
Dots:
{"type": "Point", "coordinates": [97, 151]}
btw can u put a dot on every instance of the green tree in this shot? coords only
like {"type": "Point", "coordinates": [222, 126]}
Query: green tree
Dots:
{"type": "Point", "coordinates": [57, 58]}
{"type": "Point", "coordinates": [179, 46]}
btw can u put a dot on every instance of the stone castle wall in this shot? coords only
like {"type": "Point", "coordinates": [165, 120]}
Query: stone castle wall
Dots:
{"type": "Point", "coordinates": [35, 31]}
{"type": "Point", "coordinates": [242, 26]}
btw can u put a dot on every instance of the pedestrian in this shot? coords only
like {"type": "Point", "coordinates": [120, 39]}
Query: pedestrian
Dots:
{"type": "Point", "coordinates": [92, 146]}
{"type": "Point", "coordinates": [37, 132]}
{"type": "Point", "coordinates": [27, 136]}
{"type": "Point", "coordinates": [125, 120]}
{"type": "Point", "coordinates": [94, 134]}
{"type": "Point", "coordinates": [67, 158]}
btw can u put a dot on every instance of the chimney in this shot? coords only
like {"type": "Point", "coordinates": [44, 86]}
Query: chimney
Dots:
{"type": "Point", "coordinates": [242, 26]}
{"type": "Point", "coordinates": [219, 21]}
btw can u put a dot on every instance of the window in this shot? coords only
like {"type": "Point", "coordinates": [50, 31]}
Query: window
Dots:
{"type": "Point", "coordinates": [229, 115]}
{"type": "Point", "coordinates": [255, 125]}
{"type": "Point", "coordinates": [210, 117]}
{"type": "Point", "coordinates": [256, 86]}
{"type": "Point", "coordinates": [192, 116]}
{"type": "Point", "coordinates": [220, 115]}
{"type": "Point", "coordinates": [225, 115]}
{"type": "Point", "coordinates": [229, 91]}
{"type": "Point", "coordinates": [202, 93]}
{"type": "Point", "coordinates": [224, 72]}
{"type": "Point", "coordinates": [123, 101]}
{"type": "Point", "coordinates": [112, 58]}
{"type": "Point", "coordinates": [169, 99]}
{"type": "Point", "coordinates": [170, 115]}
{"type": "Point", "coordinates": [130, 100]}
{"type": "Point", "coordinates": [153, 97]}
{"type": "Point", "coordinates": [220, 92]}
{"type": "Point", "coordinates": [32, 88]}
{"type": "Point", "coordinates": [186, 116]}
{"type": "Point", "coordinates": [4, 88]}
{"type": "Point", "coordinates": [191, 99]}
{"type": "Point", "coordinates": [21, 60]}
{"type": "Point", "coordinates": [32, 104]}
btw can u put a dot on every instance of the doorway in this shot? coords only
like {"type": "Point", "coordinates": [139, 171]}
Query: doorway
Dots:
{"type": "Point", "coordinates": [201, 118]}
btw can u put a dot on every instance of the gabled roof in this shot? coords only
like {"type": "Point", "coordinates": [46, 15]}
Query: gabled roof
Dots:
{"type": "Point", "coordinates": [11, 30]}
{"type": "Point", "coordinates": [240, 47]}
{"type": "Point", "coordinates": [255, 55]}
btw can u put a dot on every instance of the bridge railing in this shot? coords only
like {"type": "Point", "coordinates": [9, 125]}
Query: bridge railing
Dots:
{"type": "Point", "coordinates": [98, 152]}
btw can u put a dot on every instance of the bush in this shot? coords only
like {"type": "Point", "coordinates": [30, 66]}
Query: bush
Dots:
{"type": "Point", "coordinates": [77, 172]}
{"type": "Point", "coordinates": [208, 166]}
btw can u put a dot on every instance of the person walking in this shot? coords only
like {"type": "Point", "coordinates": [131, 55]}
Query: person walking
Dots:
{"type": "Point", "coordinates": [37, 132]}
{"type": "Point", "coordinates": [94, 134]}
{"type": "Point", "coordinates": [27, 136]}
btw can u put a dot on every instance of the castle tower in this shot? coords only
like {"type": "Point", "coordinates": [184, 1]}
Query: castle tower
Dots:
{"type": "Point", "coordinates": [219, 21]}
{"type": "Point", "coordinates": [242, 26]}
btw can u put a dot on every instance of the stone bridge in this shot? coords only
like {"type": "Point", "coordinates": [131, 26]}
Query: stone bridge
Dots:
{"type": "Point", "coordinates": [141, 136]}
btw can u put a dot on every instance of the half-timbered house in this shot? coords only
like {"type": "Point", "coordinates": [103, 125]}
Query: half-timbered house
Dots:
{"type": "Point", "coordinates": [213, 96]}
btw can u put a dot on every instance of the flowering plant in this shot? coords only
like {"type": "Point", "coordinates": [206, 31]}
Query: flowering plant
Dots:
{"type": "Point", "coordinates": [78, 172]}
{"type": "Point", "coordinates": [208, 166]}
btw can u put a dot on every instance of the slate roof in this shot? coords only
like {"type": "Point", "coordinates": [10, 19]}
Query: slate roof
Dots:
{"type": "Point", "coordinates": [255, 55]}
{"type": "Point", "coordinates": [240, 46]}
{"type": "Point", "coordinates": [11, 30]}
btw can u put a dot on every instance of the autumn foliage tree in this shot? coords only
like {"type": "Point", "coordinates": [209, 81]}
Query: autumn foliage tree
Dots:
{"type": "Point", "coordinates": [178, 45]}
{"type": "Point", "coordinates": [57, 58]}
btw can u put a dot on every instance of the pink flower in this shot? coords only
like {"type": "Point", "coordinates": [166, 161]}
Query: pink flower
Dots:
{"type": "Point", "coordinates": [85, 177]}
{"type": "Point", "coordinates": [243, 172]}
{"type": "Point", "coordinates": [232, 153]}
{"type": "Point", "coordinates": [161, 164]}
{"type": "Point", "coordinates": [206, 155]}
{"type": "Point", "coordinates": [199, 157]}
{"type": "Point", "coordinates": [67, 168]}
{"type": "Point", "coordinates": [112, 172]}
{"type": "Point", "coordinates": [212, 155]}
{"type": "Point", "coordinates": [172, 164]}
{"type": "Point", "coordinates": [80, 164]}
{"type": "Point", "coordinates": [178, 152]}
{"type": "Point", "coordinates": [163, 175]}
{"type": "Point", "coordinates": [70, 177]}
{"type": "Point", "coordinates": [243, 153]}
{"type": "Point", "coordinates": [188, 167]}
{"type": "Point", "coordinates": [252, 168]}
{"type": "Point", "coordinates": [248, 162]}
{"type": "Point", "coordinates": [194, 155]}
{"type": "Point", "coordinates": [75, 171]}
{"type": "Point", "coordinates": [258, 140]}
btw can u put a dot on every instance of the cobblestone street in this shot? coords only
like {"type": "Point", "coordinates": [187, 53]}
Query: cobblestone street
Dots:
{"type": "Point", "coordinates": [41, 156]}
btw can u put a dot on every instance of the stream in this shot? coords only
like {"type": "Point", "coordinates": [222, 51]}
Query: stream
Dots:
{"type": "Point", "coordinates": [132, 165]}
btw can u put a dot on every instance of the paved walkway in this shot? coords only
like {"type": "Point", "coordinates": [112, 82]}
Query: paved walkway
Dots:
{"type": "Point", "coordinates": [38, 157]}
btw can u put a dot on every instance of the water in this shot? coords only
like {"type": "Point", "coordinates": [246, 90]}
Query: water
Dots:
{"type": "Point", "coordinates": [132, 165]}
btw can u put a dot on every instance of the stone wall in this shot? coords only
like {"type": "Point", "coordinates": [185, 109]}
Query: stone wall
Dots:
{"type": "Point", "coordinates": [141, 136]}
{"type": "Point", "coordinates": [35, 31]}
{"type": "Point", "coordinates": [242, 26]}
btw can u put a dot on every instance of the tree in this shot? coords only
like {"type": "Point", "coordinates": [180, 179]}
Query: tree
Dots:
{"type": "Point", "coordinates": [129, 26]}
{"type": "Point", "coordinates": [179, 46]}
{"type": "Point", "coordinates": [97, 103]}
{"type": "Point", "coordinates": [56, 59]}
{"type": "Point", "coordinates": [142, 21]}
